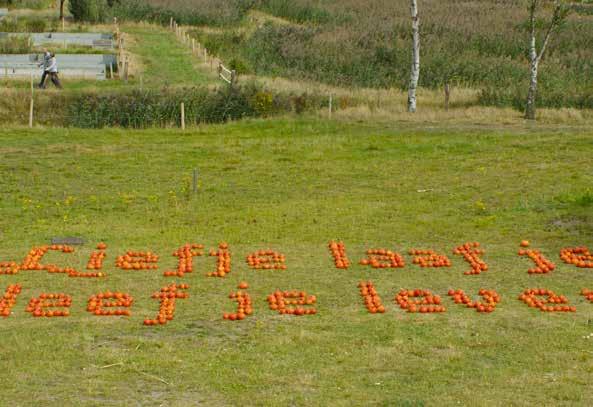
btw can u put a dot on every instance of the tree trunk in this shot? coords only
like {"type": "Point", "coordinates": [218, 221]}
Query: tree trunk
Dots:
{"type": "Point", "coordinates": [62, 10]}
{"type": "Point", "coordinates": [531, 95]}
{"type": "Point", "coordinates": [415, 74]}
{"type": "Point", "coordinates": [533, 63]}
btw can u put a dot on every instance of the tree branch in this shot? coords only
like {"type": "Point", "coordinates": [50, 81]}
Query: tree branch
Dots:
{"type": "Point", "coordinates": [556, 21]}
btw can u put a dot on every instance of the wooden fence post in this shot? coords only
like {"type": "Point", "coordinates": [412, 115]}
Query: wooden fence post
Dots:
{"type": "Point", "coordinates": [182, 116]}
{"type": "Point", "coordinates": [193, 46]}
{"type": "Point", "coordinates": [219, 69]}
{"type": "Point", "coordinates": [31, 113]}
{"type": "Point", "coordinates": [195, 181]}
{"type": "Point", "coordinates": [330, 106]}
{"type": "Point", "coordinates": [205, 56]}
{"type": "Point", "coordinates": [171, 24]}
{"type": "Point", "coordinates": [447, 95]}
{"type": "Point", "coordinates": [126, 69]}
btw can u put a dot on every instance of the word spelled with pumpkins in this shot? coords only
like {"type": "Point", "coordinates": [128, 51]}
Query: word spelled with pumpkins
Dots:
{"type": "Point", "coordinates": [285, 302]}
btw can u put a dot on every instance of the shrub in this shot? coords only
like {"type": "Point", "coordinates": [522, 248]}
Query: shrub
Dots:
{"type": "Point", "coordinates": [28, 24]}
{"type": "Point", "coordinates": [32, 4]}
{"type": "Point", "coordinates": [188, 12]}
{"type": "Point", "coordinates": [300, 13]}
{"type": "Point", "coordinates": [161, 108]}
{"type": "Point", "coordinates": [92, 11]}
{"type": "Point", "coordinates": [15, 45]}
{"type": "Point", "coordinates": [149, 108]}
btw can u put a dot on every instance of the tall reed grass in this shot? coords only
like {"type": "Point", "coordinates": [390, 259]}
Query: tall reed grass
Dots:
{"type": "Point", "coordinates": [467, 43]}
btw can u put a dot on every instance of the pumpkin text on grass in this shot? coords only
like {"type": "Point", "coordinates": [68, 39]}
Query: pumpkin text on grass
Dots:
{"type": "Point", "coordinates": [287, 302]}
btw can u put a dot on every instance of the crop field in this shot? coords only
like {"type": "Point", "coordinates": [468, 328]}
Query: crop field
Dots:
{"type": "Point", "coordinates": [292, 186]}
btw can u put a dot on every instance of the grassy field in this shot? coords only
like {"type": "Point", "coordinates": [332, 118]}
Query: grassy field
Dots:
{"type": "Point", "coordinates": [292, 185]}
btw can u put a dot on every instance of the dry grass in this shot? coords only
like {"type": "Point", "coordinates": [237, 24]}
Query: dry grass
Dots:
{"type": "Point", "coordinates": [368, 104]}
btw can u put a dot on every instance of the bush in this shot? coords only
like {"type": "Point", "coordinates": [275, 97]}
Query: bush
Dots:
{"type": "Point", "coordinates": [149, 108]}
{"type": "Point", "coordinates": [32, 4]}
{"type": "Point", "coordinates": [154, 108]}
{"type": "Point", "coordinates": [27, 24]}
{"type": "Point", "coordinates": [15, 45]}
{"type": "Point", "coordinates": [188, 12]}
{"type": "Point", "coordinates": [92, 11]}
{"type": "Point", "coordinates": [300, 13]}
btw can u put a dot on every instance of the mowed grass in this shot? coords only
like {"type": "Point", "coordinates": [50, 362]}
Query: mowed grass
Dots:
{"type": "Point", "coordinates": [292, 185]}
{"type": "Point", "coordinates": [165, 60]}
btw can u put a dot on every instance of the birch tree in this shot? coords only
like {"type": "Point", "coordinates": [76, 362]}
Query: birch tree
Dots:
{"type": "Point", "coordinates": [415, 74]}
{"type": "Point", "coordinates": [535, 57]}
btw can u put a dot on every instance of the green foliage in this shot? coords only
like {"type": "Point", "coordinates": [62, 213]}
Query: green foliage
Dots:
{"type": "Point", "coordinates": [188, 12]}
{"type": "Point", "coordinates": [552, 93]}
{"type": "Point", "coordinates": [480, 44]}
{"type": "Point", "coordinates": [14, 45]}
{"type": "Point", "coordinates": [583, 198]}
{"type": "Point", "coordinates": [27, 24]}
{"type": "Point", "coordinates": [92, 11]}
{"type": "Point", "coordinates": [161, 108]}
{"type": "Point", "coordinates": [297, 12]}
{"type": "Point", "coordinates": [263, 103]}
{"type": "Point", "coordinates": [583, 9]}
{"type": "Point", "coordinates": [29, 4]}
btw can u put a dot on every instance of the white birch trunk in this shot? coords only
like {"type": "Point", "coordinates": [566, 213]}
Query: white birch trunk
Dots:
{"type": "Point", "coordinates": [535, 57]}
{"type": "Point", "coordinates": [415, 74]}
{"type": "Point", "coordinates": [533, 64]}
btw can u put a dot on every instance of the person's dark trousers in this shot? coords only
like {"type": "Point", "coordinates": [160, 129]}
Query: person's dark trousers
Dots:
{"type": "Point", "coordinates": [55, 80]}
{"type": "Point", "coordinates": [43, 77]}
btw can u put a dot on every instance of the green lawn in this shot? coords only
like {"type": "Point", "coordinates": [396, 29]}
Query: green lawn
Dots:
{"type": "Point", "coordinates": [166, 61]}
{"type": "Point", "coordinates": [293, 185]}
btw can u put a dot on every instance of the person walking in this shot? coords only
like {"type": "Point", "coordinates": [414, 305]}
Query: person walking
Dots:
{"type": "Point", "coordinates": [44, 64]}
{"type": "Point", "coordinates": [52, 70]}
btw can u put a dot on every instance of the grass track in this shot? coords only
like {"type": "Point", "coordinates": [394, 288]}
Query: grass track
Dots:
{"type": "Point", "coordinates": [293, 185]}
{"type": "Point", "coordinates": [166, 60]}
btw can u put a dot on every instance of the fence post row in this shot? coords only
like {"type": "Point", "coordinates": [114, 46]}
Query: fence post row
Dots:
{"type": "Point", "coordinates": [197, 49]}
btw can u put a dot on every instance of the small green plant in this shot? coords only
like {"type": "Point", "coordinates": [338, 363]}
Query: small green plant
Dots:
{"type": "Point", "coordinates": [263, 103]}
